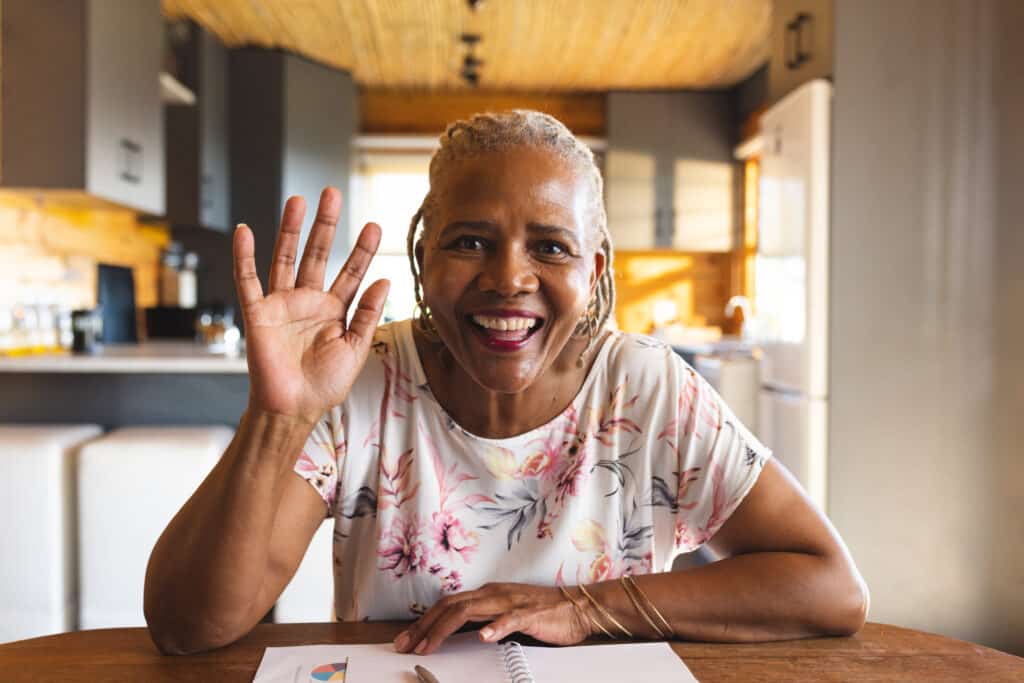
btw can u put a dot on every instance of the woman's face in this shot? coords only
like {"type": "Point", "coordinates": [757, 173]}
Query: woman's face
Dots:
{"type": "Point", "coordinates": [508, 264]}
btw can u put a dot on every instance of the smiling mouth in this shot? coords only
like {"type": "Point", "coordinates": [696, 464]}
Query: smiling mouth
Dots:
{"type": "Point", "coordinates": [504, 333]}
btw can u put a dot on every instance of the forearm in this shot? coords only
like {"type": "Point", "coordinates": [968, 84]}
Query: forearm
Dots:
{"type": "Point", "coordinates": [752, 597]}
{"type": "Point", "coordinates": [206, 575]}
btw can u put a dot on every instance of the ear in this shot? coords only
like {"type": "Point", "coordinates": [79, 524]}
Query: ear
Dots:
{"type": "Point", "coordinates": [598, 271]}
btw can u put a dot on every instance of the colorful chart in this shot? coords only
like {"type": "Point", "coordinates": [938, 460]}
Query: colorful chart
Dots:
{"type": "Point", "coordinates": [329, 672]}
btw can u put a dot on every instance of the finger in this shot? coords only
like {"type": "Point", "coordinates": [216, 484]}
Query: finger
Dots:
{"type": "Point", "coordinates": [419, 628]}
{"type": "Point", "coordinates": [409, 638]}
{"type": "Point", "coordinates": [516, 620]}
{"type": "Point", "coordinates": [347, 282]}
{"type": "Point", "coordinates": [456, 616]}
{"type": "Point", "coordinates": [368, 312]}
{"type": "Point", "coordinates": [282, 268]}
{"type": "Point", "coordinates": [247, 281]}
{"type": "Point", "coordinates": [318, 246]}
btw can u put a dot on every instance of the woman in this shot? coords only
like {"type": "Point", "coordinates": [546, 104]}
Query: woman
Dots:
{"type": "Point", "coordinates": [503, 458]}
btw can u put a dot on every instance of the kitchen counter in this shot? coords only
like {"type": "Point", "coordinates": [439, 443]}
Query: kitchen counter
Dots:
{"type": "Point", "coordinates": [152, 383]}
{"type": "Point", "coordinates": [158, 357]}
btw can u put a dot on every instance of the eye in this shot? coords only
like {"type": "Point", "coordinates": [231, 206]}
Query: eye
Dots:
{"type": "Point", "coordinates": [469, 243]}
{"type": "Point", "coordinates": [552, 248]}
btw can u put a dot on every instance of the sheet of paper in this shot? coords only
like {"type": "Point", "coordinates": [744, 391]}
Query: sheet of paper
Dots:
{"type": "Point", "coordinates": [608, 663]}
{"type": "Point", "coordinates": [464, 659]}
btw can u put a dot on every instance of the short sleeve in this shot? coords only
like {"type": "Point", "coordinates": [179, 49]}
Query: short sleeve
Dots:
{"type": "Point", "coordinates": [717, 459]}
{"type": "Point", "coordinates": [319, 461]}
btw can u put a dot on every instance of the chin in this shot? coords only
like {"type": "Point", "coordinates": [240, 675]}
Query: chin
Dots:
{"type": "Point", "coordinates": [496, 375]}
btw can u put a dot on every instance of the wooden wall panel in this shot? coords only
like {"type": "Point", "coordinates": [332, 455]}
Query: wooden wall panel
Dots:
{"type": "Point", "coordinates": [698, 283]}
{"type": "Point", "coordinates": [53, 252]}
{"type": "Point", "coordinates": [421, 112]}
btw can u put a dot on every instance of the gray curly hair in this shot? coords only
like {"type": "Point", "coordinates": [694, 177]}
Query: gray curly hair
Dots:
{"type": "Point", "coordinates": [491, 132]}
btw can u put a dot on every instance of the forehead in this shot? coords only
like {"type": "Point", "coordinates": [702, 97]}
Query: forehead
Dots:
{"type": "Point", "coordinates": [522, 182]}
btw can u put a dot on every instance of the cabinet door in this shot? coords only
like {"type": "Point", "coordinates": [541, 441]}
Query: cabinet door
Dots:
{"type": "Point", "coordinates": [801, 44]}
{"type": "Point", "coordinates": [630, 190]}
{"type": "Point", "coordinates": [124, 150]}
{"type": "Point", "coordinates": [669, 170]}
{"type": "Point", "coordinates": [704, 205]}
{"type": "Point", "coordinates": [213, 134]}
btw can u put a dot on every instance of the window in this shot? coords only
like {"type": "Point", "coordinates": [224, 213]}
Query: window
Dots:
{"type": "Point", "coordinates": [387, 189]}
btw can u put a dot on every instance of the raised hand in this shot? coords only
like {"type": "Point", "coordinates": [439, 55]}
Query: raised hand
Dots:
{"type": "Point", "coordinates": [303, 352]}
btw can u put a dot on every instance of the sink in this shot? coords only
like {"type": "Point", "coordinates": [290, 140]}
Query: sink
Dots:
{"type": "Point", "coordinates": [726, 347]}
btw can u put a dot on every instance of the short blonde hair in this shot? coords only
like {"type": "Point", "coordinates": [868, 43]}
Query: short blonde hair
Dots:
{"type": "Point", "coordinates": [490, 132]}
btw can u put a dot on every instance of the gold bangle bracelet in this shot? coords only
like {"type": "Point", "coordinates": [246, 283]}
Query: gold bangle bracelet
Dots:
{"type": "Point", "coordinates": [582, 610]}
{"type": "Point", "coordinates": [605, 613]}
{"type": "Point", "coordinates": [651, 605]}
{"type": "Point", "coordinates": [640, 608]}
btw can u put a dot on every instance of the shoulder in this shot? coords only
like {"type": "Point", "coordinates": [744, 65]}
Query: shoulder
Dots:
{"type": "Point", "coordinates": [648, 363]}
{"type": "Point", "coordinates": [390, 360]}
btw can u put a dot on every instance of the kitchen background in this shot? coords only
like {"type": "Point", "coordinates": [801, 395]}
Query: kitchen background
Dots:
{"type": "Point", "coordinates": [814, 201]}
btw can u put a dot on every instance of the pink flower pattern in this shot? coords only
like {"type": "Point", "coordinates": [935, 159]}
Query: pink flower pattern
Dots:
{"type": "Point", "coordinates": [593, 488]}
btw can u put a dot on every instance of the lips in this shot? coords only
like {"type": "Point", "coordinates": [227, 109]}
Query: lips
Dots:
{"type": "Point", "coordinates": [505, 329]}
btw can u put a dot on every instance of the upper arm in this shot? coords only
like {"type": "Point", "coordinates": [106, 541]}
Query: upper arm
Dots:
{"type": "Point", "coordinates": [777, 516]}
{"type": "Point", "coordinates": [299, 516]}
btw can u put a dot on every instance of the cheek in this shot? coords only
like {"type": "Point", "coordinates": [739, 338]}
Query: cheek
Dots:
{"type": "Point", "coordinates": [573, 290]}
{"type": "Point", "coordinates": [446, 280]}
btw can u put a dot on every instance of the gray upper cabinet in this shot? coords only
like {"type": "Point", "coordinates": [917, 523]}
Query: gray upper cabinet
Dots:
{"type": "Point", "coordinates": [670, 179]}
{"type": "Point", "coordinates": [801, 44]}
{"type": "Point", "coordinates": [81, 111]}
{"type": "Point", "coordinates": [198, 184]}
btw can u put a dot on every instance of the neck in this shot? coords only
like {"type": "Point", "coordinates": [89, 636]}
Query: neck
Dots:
{"type": "Point", "coordinates": [497, 415]}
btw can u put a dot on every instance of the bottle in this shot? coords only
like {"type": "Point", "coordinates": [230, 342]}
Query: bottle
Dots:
{"type": "Point", "coordinates": [170, 265]}
{"type": "Point", "coordinates": [187, 294]}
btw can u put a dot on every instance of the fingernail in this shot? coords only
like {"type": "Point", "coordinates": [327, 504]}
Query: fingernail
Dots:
{"type": "Point", "coordinates": [402, 641]}
{"type": "Point", "coordinates": [487, 633]}
{"type": "Point", "coordinates": [421, 646]}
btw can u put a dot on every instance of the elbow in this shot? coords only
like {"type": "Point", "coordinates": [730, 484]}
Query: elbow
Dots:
{"type": "Point", "coordinates": [170, 638]}
{"type": "Point", "coordinates": [850, 612]}
{"type": "Point", "coordinates": [167, 643]}
{"type": "Point", "coordinates": [181, 639]}
{"type": "Point", "coordinates": [176, 633]}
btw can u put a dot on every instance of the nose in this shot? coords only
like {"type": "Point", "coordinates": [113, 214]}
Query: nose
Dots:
{"type": "Point", "coordinates": [508, 272]}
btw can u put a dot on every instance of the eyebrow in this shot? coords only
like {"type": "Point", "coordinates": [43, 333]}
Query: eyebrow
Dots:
{"type": "Point", "coordinates": [489, 226]}
{"type": "Point", "coordinates": [552, 230]}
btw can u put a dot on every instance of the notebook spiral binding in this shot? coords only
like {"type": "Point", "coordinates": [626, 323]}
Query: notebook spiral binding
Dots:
{"type": "Point", "coordinates": [516, 665]}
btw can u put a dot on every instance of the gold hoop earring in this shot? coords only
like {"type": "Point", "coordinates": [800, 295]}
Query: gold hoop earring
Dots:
{"type": "Point", "coordinates": [426, 323]}
{"type": "Point", "coordinates": [589, 325]}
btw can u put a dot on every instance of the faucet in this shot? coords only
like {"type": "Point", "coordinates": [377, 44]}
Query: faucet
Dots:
{"type": "Point", "coordinates": [743, 303]}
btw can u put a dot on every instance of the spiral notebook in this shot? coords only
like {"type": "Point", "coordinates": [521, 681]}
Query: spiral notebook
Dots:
{"type": "Point", "coordinates": [465, 659]}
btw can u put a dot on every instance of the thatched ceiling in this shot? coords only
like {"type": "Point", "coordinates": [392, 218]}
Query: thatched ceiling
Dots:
{"type": "Point", "coordinates": [538, 45]}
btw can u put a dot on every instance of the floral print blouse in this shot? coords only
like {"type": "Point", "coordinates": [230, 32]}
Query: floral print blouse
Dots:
{"type": "Point", "coordinates": [646, 463]}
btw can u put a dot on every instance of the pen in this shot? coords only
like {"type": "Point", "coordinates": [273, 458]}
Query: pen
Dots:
{"type": "Point", "coordinates": [424, 676]}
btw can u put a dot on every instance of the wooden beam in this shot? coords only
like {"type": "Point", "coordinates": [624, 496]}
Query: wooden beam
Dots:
{"type": "Point", "coordinates": [415, 112]}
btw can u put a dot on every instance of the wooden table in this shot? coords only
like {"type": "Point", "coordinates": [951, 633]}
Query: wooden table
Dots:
{"type": "Point", "coordinates": [877, 653]}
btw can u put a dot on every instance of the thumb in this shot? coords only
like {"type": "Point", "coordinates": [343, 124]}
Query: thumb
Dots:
{"type": "Point", "coordinates": [368, 312]}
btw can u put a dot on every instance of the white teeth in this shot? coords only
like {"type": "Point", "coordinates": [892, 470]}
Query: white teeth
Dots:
{"type": "Point", "coordinates": [505, 324]}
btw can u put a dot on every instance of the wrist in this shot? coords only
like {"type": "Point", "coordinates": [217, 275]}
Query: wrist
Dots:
{"type": "Point", "coordinates": [583, 613]}
{"type": "Point", "coordinates": [299, 417]}
{"type": "Point", "coordinates": [277, 431]}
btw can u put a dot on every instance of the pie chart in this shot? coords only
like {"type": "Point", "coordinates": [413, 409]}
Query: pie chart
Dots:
{"type": "Point", "coordinates": [329, 672]}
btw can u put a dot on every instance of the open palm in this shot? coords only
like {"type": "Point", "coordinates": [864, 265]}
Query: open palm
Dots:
{"type": "Point", "coordinates": [303, 352]}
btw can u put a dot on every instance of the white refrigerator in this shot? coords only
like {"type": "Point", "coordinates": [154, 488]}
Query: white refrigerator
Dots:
{"type": "Point", "coordinates": [791, 283]}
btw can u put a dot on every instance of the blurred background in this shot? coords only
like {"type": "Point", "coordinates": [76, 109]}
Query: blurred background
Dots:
{"type": "Point", "coordinates": [815, 202]}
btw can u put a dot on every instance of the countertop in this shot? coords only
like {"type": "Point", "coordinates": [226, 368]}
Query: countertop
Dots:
{"type": "Point", "coordinates": [174, 357]}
